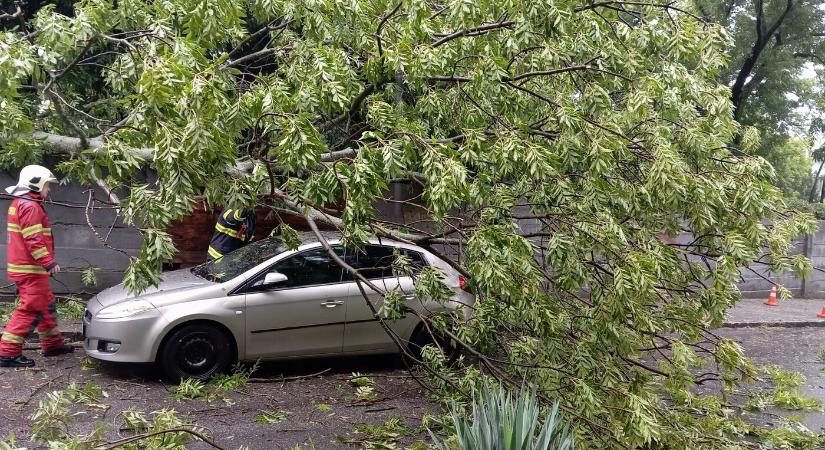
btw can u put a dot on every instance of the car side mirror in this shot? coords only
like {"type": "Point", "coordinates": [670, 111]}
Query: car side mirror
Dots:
{"type": "Point", "coordinates": [274, 278]}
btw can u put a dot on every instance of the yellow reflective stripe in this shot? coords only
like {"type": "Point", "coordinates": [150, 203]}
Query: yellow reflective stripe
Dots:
{"type": "Point", "coordinates": [40, 252]}
{"type": "Point", "coordinates": [28, 231]}
{"type": "Point", "coordinates": [47, 231]}
{"type": "Point", "coordinates": [214, 253]}
{"type": "Point", "coordinates": [13, 227]}
{"type": "Point", "coordinates": [48, 333]}
{"type": "Point", "coordinates": [226, 214]}
{"type": "Point", "coordinates": [12, 211]}
{"type": "Point", "coordinates": [13, 338]}
{"type": "Point", "coordinates": [25, 268]}
{"type": "Point", "coordinates": [226, 230]}
{"type": "Point", "coordinates": [238, 215]}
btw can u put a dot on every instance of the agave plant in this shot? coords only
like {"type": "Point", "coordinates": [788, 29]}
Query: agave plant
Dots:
{"type": "Point", "coordinates": [502, 422]}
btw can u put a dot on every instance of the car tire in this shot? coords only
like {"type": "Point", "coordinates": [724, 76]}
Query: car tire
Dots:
{"type": "Point", "coordinates": [198, 351]}
{"type": "Point", "coordinates": [422, 337]}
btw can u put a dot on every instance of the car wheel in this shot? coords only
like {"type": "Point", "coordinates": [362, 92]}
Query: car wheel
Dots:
{"type": "Point", "coordinates": [198, 351]}
{"type": "Point", "coordinates": [422, 337]}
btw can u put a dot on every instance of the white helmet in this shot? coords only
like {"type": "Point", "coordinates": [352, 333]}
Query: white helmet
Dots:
{"type": "Point", "coordinates": [32, 178]}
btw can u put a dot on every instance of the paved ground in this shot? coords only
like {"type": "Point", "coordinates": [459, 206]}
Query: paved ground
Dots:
{"type": "Point", "coordinates": [789, 335]}
{"type": "Point", "coordinates": [317, 409]}
{"type": "Point", "coordinates": [320, 408]}
{"type": "Point", "coordinates": [789, 313]}
{"type": "Point", "coordinates": [793, 348]}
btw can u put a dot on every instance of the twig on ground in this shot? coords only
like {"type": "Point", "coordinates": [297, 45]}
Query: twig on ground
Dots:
{"type": "Point", "coordinates": [278, 380]}
{"type": "Point", "coordinates": [38, 389]}
{"type": "Point", "coordinates": [380, 409]}
{"type": "Point", "coordinates": [378, 375]}
{"type": "Point", "coordinates": [142, 436]}
{"type": "Point", "coordinates": [34, 346]}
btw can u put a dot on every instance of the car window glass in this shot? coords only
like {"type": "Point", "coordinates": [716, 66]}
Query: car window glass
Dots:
{"type": "Point", "coordinates": [239, 261]}
{"type": "Point", "coordinates": [307, 268]}
{"type": "Point", "coordinates": [376, 261]}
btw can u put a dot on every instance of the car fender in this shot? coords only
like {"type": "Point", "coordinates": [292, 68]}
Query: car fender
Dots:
{"type": "Point", "coordinates": [235, 326]}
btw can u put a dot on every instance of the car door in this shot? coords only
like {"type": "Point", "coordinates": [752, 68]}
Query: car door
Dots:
{"type": "Point", "coordinates": [303, 315]}
{"type": "Point", "coordinates": [363, 332]}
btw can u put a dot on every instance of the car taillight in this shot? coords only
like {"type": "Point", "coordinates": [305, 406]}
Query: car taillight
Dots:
{"type": "Point", "coordinates": [463, 284]}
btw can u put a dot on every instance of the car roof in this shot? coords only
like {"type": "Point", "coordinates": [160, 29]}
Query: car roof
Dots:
{"type": "Point", "coordinates": [309, 237]}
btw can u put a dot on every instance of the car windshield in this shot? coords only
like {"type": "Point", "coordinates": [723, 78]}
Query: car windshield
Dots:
{"type": "Point", "coordinates": [235, 263]}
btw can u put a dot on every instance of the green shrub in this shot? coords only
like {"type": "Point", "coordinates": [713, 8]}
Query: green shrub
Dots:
{"type": "Point", "coordinates": [501, 422]}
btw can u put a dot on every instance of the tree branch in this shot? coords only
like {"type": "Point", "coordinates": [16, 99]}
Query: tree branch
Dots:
{"type": "Point", "coordinates": [313, 213]}
{"type": "Point", "coordinates": [668, 5]}
{"type": "Point", "coordinates": [762, 38]}
{"type": "Point", "coordinates": [68, 145]}
{"type": "Point", "coordinates": [360, 282]}
{"type": "Point", "coordinates": [256, 56]}
{"type": "Point", "coordinates": [58, 107]}
{"type": "Point", "coordinates": [524, 76]}
{"type": "Point", "coordinates": [779, 20]}
{"type": "Point", "coordinates": [381, 25]}
{"type": "Point", "coordinates": [71, 145]}
{"type": "Point", "coordinates": [472, 32]}
{"type": "Point", "coordinates": [57, 76]}
{"type": "Point", "coordinates": [266, 29]}
{"type": "Point", "coordinates": [356, 103]}
{"type": "Point", "coordinates": [563, 70]}
{"type": "Point", "coordinates": [139, 437]}
{"type": "Point", "coordinates": [15, 15]}
{"type": "Point", "coordinates": [813, 56]}
{"type": "Point", "coordinates": [760, 22]}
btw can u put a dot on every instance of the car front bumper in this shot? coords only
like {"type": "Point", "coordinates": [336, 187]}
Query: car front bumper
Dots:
{"type": "Point", "coordinates": [135, 334]}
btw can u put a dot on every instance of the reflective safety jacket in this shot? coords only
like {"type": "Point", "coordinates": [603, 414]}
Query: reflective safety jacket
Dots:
{"type": "Point", "coordinates": [233, 230]}
{"type": "Point", "coordinates": [30, 249]}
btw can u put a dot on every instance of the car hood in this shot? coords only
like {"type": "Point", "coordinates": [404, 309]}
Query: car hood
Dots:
{"type": "Point", "coordinates": [174, 281]}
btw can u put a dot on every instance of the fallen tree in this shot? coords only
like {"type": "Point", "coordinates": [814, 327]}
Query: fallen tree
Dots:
{"type": "Point", "coordinates": [600, 125]}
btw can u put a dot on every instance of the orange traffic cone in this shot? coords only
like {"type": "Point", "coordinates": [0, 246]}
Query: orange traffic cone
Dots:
{"type": "Point", "coordinates": [772, 298]}
{"type": "Point", "coordinates": [821, 313]}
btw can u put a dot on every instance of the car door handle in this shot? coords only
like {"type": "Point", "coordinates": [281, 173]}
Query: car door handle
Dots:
{"type": "Point", "coordinates": [332, 303]}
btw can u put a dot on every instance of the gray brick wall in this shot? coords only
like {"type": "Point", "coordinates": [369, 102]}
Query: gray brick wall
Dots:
{"type": "Point", "coordinates": [76, 246]}
{"type": "Point", "coordinates": [755, 279]}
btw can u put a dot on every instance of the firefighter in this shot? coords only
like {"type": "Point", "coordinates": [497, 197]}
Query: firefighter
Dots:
{"type": "Point", "coordinates": [30, 256]}
{"type": "Point", "coordinates": [233, 230]}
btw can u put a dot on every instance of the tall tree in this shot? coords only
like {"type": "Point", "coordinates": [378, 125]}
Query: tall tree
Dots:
{"type": "Point", "coordinates": [773, 41]}
{"type": "Point", "coordinates": [602, 124]}
{"type": "Point", "coordinates": [777, 44]}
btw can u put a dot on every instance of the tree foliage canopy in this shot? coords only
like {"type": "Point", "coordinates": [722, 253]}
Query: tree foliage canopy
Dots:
{"type": "Point", "coordinates": [559, 146]}
{"type": "Point", "coordinates": [776, 74]}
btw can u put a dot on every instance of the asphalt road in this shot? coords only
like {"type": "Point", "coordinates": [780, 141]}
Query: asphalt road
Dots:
{"type": "Point", "coordinates": [312, 408]}
{"type": "Point", "coordinates": [319, 408]}
{"type": "Point", "coordinates": [793, 348]}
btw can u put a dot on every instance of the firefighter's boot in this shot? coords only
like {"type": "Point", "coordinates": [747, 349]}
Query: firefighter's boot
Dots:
{"type": "Point", "coordinates": [16, 361]}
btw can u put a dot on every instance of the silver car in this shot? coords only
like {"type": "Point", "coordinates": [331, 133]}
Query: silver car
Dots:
{"type": "Point", "coordinates": [264, 302]}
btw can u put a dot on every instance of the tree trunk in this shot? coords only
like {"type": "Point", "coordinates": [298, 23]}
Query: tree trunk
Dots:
{"type": "Point", "coordinates": [763, 35]}
{"type": "Point", "coordinates": [822, 192]}
{"type": "Point", "coordinates": [816, 179]}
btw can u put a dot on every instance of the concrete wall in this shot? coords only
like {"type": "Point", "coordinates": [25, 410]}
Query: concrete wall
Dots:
{"type": "Point", "coordinates": [755, 279]}
{"type": "Point", "coordinates": [76, 246]}
{"type": "Point", "coordinates": [813, 247]}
